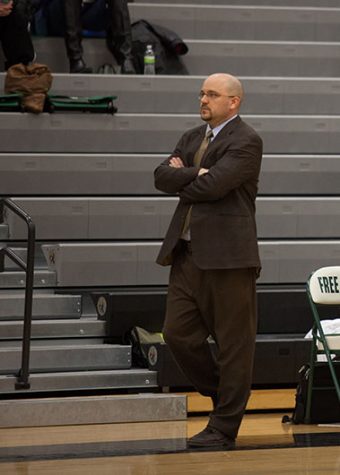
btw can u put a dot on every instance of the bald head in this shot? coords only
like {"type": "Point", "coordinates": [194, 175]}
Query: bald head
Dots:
{"type": "Point", "coordinates": [230, 84]}
{"type": "Point", "coordinates": [220, 98]}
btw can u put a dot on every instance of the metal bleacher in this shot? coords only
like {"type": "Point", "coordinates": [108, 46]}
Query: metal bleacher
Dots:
{"type": "Point", "coordinates": [87, 182]}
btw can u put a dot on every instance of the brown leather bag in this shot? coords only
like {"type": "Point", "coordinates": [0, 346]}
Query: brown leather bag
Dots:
{"type": "Point", "coordinates": [33, 81]}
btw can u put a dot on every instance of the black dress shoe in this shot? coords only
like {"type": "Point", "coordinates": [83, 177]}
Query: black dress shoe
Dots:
{"type": "Point", "coordinates": [210, 437]}
{"type": "Point", "coordinates": [78, 66]}
{"type": "Point", "coordinates": [128, 67]}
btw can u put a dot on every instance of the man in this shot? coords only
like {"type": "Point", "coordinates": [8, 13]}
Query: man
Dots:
{"type": "Point", "coordinates": [118, 35]}
{"type": "Point", "coordinates": [14, 35]}
{"type": "Point", "coordinates": [212, 246]}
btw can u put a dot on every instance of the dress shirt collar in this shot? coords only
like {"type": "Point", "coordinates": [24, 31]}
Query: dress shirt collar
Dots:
{"type": "Point", "coordinates": [218, 129]}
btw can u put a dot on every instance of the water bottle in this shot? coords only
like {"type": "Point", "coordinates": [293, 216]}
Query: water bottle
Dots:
{"type": "Point", "coordinates": [149, 61]}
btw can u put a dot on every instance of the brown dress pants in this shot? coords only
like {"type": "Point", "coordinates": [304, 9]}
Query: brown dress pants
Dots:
{"type": "Point", "coordinates": [220, 303]}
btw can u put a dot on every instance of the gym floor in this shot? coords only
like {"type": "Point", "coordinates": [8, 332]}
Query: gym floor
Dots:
{"type": "Point", "coordinates": [264, 446]}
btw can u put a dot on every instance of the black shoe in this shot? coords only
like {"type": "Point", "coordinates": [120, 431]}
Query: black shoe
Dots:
{"type": "Point", "coordinates": [128, 67]}
{"type": "Point", "coordinates": [77, 66]}
{"type": "Point", "coordinates": [210, 437]}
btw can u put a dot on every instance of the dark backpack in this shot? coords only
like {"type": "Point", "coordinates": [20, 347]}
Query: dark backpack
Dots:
{"type": "Point", "coordinates": [298, 415]}
{"type": "Point", "coordinates": [325, 407]}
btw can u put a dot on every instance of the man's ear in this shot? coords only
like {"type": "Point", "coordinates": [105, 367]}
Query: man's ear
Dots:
{"type": "Point", "coordinates": [235, 103]}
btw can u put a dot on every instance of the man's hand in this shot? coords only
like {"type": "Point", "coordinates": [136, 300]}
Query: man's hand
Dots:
{"type": "Point", "coordinates": [6, 8]}
{"type": "Point", "coordinates": [176, 162]}
{"type": "Point", "coordinates": [203, 171]}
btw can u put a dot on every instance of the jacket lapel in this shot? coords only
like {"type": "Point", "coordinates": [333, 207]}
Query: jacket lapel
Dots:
{"type": "Point", "coordinates": [222, 136]}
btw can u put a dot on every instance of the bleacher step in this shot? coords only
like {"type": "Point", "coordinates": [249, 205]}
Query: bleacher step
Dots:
{"type": "Point", "coordinates": [81, 328]}
{"type": "Point", "coordinates": [132, 174]}
{"type": "Point", "coordinates": [17, 279]}
{"type": "Point", "coordinates": [95, 218]}
{"type": "Point", "coordinates": [142, 94]}
{"type": "Point", "coordinates": [46, 306]}
{"type": "Point", "coordinates": [83, 380]}
{"type": "Point", "coordinates": [60, 342]}
{"type": "Point", "coordinates": [67, 358]}
{"type": "Point", "coordinates": [133, 263]}
{"type": "Point", "coordinates": [148, 218]}
{"type": "Point", "coordinates": [243, 58]}
{"type": "Point", "coordinates": [92, 410]}
{"type": "Point", "coordinates": [240, 22]}
{"type": "Point", "coordinates": [21, 252]}
{"type": "Point", "coordinates": [86, 133]}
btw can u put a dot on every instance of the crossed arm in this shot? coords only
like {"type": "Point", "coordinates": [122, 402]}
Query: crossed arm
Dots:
{"type": "Point", "coordinates": [236, 165]}
{"type": "Point", "coordinates": [176, 162]}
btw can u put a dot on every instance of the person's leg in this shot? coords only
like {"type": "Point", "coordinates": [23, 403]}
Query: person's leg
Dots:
{"type": "Point", "coordinates": [118, 34]}
{"type": "Point", "coordinates": [185, 331]}
{"type": "Point", "coordinates": [16, 40]}
{"type": "Point", "coordinates": [228, 302]}
{"type": "Point", "coordinates": [73, 36]}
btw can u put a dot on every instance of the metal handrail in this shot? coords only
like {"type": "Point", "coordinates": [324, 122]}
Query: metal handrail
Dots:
{"type": "Point", "coordinates": [28, 266]}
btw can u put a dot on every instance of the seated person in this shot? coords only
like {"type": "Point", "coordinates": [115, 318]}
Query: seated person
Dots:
{"type": "Point", "coordinates": [71, 17]}
{"type": "Point", "coordinates": [14, 33]}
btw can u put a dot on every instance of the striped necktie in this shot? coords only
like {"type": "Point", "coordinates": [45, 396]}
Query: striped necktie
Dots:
{"type": "Point", "coordinates": [197, 162]}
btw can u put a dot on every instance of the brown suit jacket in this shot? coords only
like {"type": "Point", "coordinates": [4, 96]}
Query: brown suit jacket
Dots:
{"type": "Point", "coordinates": [222, 226]}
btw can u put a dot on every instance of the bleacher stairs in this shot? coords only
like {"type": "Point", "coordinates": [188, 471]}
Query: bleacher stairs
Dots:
{"type": "Point", "coordinates": [87, 182]}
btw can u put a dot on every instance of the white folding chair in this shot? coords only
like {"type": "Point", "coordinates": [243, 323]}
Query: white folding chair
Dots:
{"type": "Point", "coordinates": [323, 288]}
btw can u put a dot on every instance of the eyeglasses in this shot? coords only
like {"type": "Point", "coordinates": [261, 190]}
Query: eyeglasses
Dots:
{"type": "Point", "coordinates": [212, 96]}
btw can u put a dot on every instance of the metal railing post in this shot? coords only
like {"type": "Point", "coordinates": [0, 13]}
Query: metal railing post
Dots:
{"type": "Point", "coordinates": [23, 376]}
{"type": "Point", "coordinates": [28, 267]}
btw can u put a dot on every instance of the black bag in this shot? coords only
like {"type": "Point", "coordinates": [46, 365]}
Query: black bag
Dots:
{"type": "Point", "coordinates": [325, 407]}
{"type": "Point", "coordinates": [137, 337]}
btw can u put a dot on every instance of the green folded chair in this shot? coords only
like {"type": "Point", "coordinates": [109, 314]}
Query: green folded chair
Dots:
{"type": "Point", "coordinates": [96, 104]}
{"type": "Point", "coordinates": [10, 102]}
